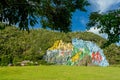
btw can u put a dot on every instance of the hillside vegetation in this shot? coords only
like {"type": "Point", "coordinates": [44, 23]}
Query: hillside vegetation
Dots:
{"type": "Point", "coordinates": [16, 45]}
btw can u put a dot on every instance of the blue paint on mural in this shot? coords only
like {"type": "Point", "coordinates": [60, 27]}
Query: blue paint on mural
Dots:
{"type": "Point", "coordinates": [73, 53]}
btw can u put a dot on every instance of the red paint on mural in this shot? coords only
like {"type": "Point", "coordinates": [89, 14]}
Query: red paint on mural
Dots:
{"type": "Point", "coordinates": [96, 57]}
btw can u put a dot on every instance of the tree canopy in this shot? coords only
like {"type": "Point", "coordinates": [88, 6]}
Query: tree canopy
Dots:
{"type": "Point", "coordinates": [21, 12]}
{"type": "Point", "coordinates": [109, 23]}
{"type": "Point", "coordinates": [58, 13]}
{"type": "Point", "coordinates": [54, 14]}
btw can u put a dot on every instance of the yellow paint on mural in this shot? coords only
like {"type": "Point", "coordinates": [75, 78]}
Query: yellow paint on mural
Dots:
{"type": "Point", "coordinates": [59, 44]}
{"type": "Point", "coordinates": [55, 45]}
{"type": "Point", "coordinates": [76, 57]}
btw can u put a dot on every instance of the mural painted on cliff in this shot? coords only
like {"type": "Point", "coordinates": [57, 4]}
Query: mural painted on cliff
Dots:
{"type": "Point", "coordinates": [79, 52]}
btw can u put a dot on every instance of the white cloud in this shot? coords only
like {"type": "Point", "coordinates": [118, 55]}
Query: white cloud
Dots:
{"type": "Point", "coordinates": [103, 5]}
{"type": "Point", "coordinates": [96, 31]}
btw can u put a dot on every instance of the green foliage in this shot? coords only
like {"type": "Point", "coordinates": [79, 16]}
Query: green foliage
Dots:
{"type": "Point", "coordinates": [112, 53]}
{"type": "Point", "coordinates": [19, 12]}
{"type": "Point", "coordinates": [17, 45]}
{"type": "Point", "coordinates": [55, 14]}
{"type": "Point", "coordinates": [109, 23]}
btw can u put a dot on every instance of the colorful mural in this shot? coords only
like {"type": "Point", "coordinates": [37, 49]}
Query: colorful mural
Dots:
{"type": "Point", "coordinates": [75, 53]}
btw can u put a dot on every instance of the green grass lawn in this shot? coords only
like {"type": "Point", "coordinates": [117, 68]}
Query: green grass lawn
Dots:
{"type": "Point", "coordinates": [59, 73]}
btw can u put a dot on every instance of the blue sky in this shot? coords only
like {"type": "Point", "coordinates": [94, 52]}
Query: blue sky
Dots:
{"type": "Point", "coordinates": [80, 19]}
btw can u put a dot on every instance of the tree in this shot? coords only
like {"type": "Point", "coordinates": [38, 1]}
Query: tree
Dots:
{"type": "Point", "coordinates": [109, 23]}
{"type": "Point", "coordinates": [21, 12]}
{"type": "Point", "coordinates": [57, 13]}
{"type": "Point", "coordinates": [54, 14]}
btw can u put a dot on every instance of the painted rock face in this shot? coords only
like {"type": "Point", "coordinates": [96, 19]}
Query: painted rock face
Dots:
{"type": "Point", "coordinates": [79, 52]}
